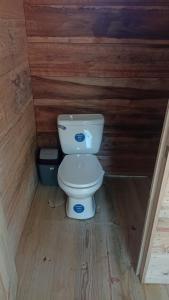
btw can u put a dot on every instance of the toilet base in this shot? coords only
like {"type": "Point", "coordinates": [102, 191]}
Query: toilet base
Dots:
{"type": "Point", "coordinates": [80, 208]}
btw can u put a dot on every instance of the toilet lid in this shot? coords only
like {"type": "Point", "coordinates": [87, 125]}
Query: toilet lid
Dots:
{"type": "Point", "coordinates": [80, 170]}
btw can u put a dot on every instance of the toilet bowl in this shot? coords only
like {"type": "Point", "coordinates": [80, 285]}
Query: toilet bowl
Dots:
{"type": "Point", "coordinates": [80, 176]}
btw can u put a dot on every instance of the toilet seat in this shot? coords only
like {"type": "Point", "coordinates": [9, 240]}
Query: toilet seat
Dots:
{"type": "Point", "coordinates": [80, 170]}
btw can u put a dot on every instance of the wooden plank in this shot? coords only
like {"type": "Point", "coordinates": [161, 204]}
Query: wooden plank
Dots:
{"type": "Point", "coordinates": [72, 88]}
{"type": "Point", "coordinates": [94, 40]}
{"type": "Point", "coordinates": [130, 192]}
{"type": "Point", "coordinates": [84, 21]}
{"type": "Point", "coordinates": [158, 270]}
{"type": "Point", "coordinates": [21, 170]}
{"type": "Point", "coordinates": [120, 164]}
{"type": "Point", "coordinates": [99, 60]}
{"type": "Point", "coordinates": [8, 275]}
{"type": "Point", "coordinates": [161, 243]}
{"type": "Point", "coordinates": [100, 2]}
{"type": "Point", "coordinates": [19, 208]}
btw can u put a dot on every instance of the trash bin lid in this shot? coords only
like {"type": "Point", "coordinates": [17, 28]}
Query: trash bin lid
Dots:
{"type": "Point", "coordinates": [48, 154]}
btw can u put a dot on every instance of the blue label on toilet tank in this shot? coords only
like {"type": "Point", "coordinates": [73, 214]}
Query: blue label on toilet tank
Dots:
{"type": "Point", "coordinates": [79, 137]}
{"type": "Point", "coordinates": [78, 208]}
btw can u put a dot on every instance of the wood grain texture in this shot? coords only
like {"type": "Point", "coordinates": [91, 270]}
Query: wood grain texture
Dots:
{"type": "Point", "coordinates": [17, 123]}
{"type": "Point", "coordinates": [157, 270]}
{"type": "Point", "coordinates": [98, 21]}
{"type": "Point", "coordinates": [15, 94]}
{"type": "Point", "coordinates": [110, 57]}
{"type": "Point", "coordinates": [155, 257]}
{"type": "Point", "coordinates": [13, 49]}
{"type": "Point", "coordinates": [150, 268]}
{"type": "Point", "coordinates": [100, 2]}
{"type": "Point", "coordinates": [20, 186]}
{"type": "Point", "coordinates": [17, 140]}
{"type": "Point", "coordinates": [84, 88]}
{"type": "Point", "coordinates": [8, 275]}
{"type": "Point", "coordinates": [135, 195]}
{"type": "Point", "coordinates": [11, 10]}
{"type": "Point", "coordinates": [60, 258]}
{"type": "Point", "coordinates": [101, 60]}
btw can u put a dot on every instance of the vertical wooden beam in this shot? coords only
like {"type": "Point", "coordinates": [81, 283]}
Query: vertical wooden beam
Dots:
{"type": "Point", "coordinates": [159, 183]}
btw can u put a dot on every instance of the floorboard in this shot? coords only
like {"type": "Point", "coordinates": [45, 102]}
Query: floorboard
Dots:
{"type": "Point", "coordinates": [63, 259]}
{"type": "Point", "coordinates": [130, 199]}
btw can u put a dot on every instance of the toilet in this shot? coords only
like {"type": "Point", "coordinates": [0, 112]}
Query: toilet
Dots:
{"type": "Point", "coordinates": [80, 174]}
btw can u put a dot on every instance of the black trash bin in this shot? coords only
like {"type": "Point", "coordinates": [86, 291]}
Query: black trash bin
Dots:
{"type": "Point", "coordinates": [48, 163]}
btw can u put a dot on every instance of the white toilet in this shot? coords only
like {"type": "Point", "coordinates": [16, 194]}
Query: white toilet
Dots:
{"type": "Point", "coordinates": [80, 174]}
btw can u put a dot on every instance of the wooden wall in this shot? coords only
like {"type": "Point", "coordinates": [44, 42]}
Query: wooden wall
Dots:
{"type": "Point", "coordinates": [8, 275]}
{"type": "Point", "coordinates": [102, 56]}
{"type": "Point", "coordinates": [155, 243]}
{"type": "Point", "coordinates": [17, 124]}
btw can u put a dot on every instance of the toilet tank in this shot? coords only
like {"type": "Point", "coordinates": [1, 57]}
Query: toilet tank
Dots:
{"type": "Point", "coordinates": [80, 133]}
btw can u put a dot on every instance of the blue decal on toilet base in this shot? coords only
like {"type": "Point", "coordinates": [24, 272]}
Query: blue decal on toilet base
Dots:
{"type": "Point", "coordinates": [78, 208]}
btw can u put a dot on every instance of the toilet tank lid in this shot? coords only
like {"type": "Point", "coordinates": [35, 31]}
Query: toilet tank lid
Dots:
{"type": "Point", "coordinates": [79, 119]}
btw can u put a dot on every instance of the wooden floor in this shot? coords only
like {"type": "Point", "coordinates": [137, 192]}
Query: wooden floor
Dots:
{"type": "Point", "coordinates": [63, 259]}
{"type": "Point", "coordinates": [130, 198]}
